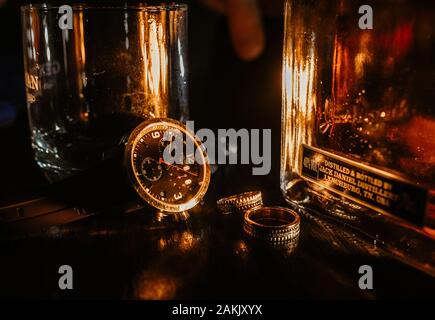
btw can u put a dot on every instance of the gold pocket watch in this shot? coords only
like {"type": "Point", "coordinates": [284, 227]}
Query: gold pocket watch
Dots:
{"type": "Point", "coordinates": [168, 186]}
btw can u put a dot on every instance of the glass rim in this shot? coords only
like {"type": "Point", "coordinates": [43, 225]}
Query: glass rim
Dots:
{"type": "Point", "coordinates": [82, 7]}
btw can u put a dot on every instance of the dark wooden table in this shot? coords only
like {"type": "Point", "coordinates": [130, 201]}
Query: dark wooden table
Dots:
{"type": "Point", "coordinates": [124, 252]}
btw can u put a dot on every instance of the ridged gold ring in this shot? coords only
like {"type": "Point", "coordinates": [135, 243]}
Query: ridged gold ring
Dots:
{"type": "Point", "coordinates": [240, 202]}
{"type": "Point", "coordinates": [274, 225]}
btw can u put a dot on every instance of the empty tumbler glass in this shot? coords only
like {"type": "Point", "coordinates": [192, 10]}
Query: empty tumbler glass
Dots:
{"type": "Point", "coordinates": [93, 73]}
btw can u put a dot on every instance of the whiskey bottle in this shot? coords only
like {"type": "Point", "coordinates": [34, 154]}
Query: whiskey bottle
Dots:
{"type": "Point", "coordinates": [358, 119]}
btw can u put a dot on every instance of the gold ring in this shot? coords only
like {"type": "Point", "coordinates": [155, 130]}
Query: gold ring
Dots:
{"type": "Point", "coordinates": [240, 202]}
{"type": "Point", "coordinates": [275, 225]}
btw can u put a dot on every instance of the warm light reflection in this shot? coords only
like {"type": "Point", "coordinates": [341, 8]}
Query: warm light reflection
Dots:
{"type": "Point", "coordinates": [364, 57]}
{"type": "Point", "coordinates": [153, 36]}
{"type": "Point", "coordinates": [241, 249]}
{"type": "Point", "coordinates": [187, 241]}
{"type": "Point", "coordinates": [299, 99]}
{"type": "Point", "coordinates": [184, 241]}
{"type": "Point", "coordinates": [154, 286]}
{"type": "Point", "coordinates": [78, 34]}
{"type": "Point", "coordinates": [341, 71]}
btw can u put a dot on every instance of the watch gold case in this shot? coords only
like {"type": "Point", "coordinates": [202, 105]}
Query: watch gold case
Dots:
{"type": "Point", "coordinates": [166, 123]}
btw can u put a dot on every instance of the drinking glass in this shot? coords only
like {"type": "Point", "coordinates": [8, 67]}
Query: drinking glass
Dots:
{"type": "Point", "coordinates": [93, 73]}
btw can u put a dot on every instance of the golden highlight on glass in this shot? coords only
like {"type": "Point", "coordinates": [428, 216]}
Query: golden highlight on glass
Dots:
{"type": "Point", "coordinates": [89, 86]}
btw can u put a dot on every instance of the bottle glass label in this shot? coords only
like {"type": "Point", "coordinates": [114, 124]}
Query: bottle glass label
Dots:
{"type": "Point", "coordinates": [377, 189]}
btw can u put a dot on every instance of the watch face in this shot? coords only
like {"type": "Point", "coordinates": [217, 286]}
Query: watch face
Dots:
{"type": "Point", "coordinates": [161, 171]}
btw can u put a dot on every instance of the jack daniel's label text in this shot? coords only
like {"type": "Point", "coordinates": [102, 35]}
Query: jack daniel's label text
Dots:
{"type": "Point", "coordinates": [374, 188]}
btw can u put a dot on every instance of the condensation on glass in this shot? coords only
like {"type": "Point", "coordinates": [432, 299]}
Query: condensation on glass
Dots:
{"type": "Point", "coordinates": [358, 119]}
{"type": "Point", "coordinates": [90, 85]}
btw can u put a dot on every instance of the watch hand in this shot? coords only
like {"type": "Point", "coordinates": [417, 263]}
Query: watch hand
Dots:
{"type": "Point", "coordinates": [176, 167]}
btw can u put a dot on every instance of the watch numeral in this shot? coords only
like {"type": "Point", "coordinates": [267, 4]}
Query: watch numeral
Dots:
{"type": "Point", "coordinates": [155, 134]}
{"type": "Point", "coordinates": [178, 196]}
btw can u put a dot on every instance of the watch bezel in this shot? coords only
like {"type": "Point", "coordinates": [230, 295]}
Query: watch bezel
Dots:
{"type": "Point", "coordinates": [133, 139]}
